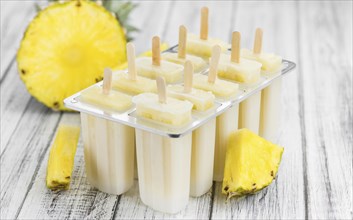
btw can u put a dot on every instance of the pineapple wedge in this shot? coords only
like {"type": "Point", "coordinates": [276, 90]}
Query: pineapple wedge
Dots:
{"type": "Point", "coordinates": [251, 163]}
{"type": "Point", "coordinates": [61, 157]}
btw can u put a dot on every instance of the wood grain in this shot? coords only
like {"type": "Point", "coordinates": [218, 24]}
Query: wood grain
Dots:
{"type": "Point", "coordinates": [326, 88]}
{"type": "Point", "coordinates": [284, 198]}
{"type": "Point", "coordinates": [315, 177]}
{"type": "Point", "coordinates": [19, 13]}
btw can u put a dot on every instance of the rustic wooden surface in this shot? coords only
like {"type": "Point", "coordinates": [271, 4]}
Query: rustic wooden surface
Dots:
{"type": "Point", "coordinates": [315, 177]}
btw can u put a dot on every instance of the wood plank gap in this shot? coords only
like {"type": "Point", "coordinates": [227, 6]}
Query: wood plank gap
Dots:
{"type": "Point", "coordinates": [302, 118]}
{"type": "Point", "coordinates": [7, 70]}
{"type": "Point", "coordinates": [212, 199]}
{"type": "Point", "coordinates": [40, 161]}
{"type": "Point", "coordinates": [18, 122]}
{"type": "Point", "coordinates": [116, 206]}
{"type": "Point", "coordinates": [165, 26]}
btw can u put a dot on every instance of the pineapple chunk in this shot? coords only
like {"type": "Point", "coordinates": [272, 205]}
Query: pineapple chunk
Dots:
{"type": "Point", "coordinates": [171, 72]}
{"type": "Point", "coordinates": [114, 100]}
{"type": "Point", "coordinates": [203, 48]}
{"type": "Point", "coordinates": [202, 100]}
{"type": "Point", "coordinates": [246, 71]}
{"type": "Point", "coordinates": [122, 83]}
{"type": "Point", "coordinates": [198, 63]}
{"type": "Point", "coordinates": [173, 112]}
{"type": "Point", "coordinates": [61, 157]}
{"type": "Point", "coordinates": [251, 163]}
{"type": "Point", "coordinates": [271, 63]}
{"type": "Point", "coordinates": [220, 88]}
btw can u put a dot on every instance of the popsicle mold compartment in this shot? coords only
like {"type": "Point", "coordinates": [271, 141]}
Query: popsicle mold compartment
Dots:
{"type": "Point", "coordinates": [164, 170]}
{"type": "Point", "coordinates": [130, 118]}
{"type": "Point", "coordinates": [109, 153]}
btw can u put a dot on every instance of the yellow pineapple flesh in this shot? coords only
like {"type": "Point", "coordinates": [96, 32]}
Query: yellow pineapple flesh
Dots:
{"type": "Point", "coordinates": [251, 163]}
{"type": "Point", "coordinates": [61, 157]}
{"type": "Point", "coordinates": [66, 48]}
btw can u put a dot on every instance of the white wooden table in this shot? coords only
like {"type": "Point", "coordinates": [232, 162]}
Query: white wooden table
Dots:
{"type": "Point", "coordinates": [315, 177]}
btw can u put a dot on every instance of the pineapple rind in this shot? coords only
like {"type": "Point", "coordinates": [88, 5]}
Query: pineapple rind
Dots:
{"type": "Point", "coordinates": [251, 163]}
{"type": "Point", "coordinates": [66, 48]}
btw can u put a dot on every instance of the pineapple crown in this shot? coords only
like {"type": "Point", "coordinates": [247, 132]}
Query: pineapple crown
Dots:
{"type": "Point", "coordinates": [119, 8]}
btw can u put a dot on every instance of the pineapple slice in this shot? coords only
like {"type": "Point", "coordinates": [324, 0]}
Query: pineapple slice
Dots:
{"type": "Point", "coordinates": [251, 163]}
{"type": "Point", "coordinates": [66, 48]}
{"type": "Point", "coordinates": [61, 157]}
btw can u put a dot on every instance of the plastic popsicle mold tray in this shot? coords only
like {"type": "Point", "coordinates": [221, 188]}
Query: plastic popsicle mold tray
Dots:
{"type": "Point", "coordinates": [130, 118]}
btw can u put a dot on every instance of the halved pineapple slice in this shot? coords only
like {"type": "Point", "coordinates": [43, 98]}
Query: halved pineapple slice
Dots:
{"type": "Point", "coordinates": [66, 48]}
{"type": "Point", "coordinates": [251, 163]}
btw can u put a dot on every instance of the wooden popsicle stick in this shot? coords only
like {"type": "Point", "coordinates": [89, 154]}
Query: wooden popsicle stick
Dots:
{"type": "Point", "coordinates": [258, 41]}
{"type": "Point", "coordinates": [107, 81]}
{"type": "Point", "coordinates": [216, 53]}
{"type": "Point", "coordinates": [182, 42]}
{"type": "Point", "coordinates": [156, 51]}
{"type": "Point", "coordinates": [235, 54]}
{"type": "Point", "coordinates": [204, 23]}
{"type": "Point", "coordinates": [188, 75]}
{"type": "Point", "coordinates": [161, 87]}
{"type": "Point", "coordinates": [131, 65]}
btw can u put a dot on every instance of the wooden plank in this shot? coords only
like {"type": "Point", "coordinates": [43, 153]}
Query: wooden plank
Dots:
{"type": "Point", "coordinates": [12, 29]}
{"type": "Point", "coordinates": [14, 100]}
{"type": "Point", "coordinates": [186, 13]}
{"type": "Point", "coordinates": [325, 43]}
{"type": "Point", "coordinates": [23, 153]}
{"type": "Point", "coordinates": [284, 198]}
{"type": "Point", "coordinates": [82, 200]}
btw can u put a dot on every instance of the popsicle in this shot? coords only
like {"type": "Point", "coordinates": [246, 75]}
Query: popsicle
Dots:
{"type": "Point", "coordinates": [108, 146]}
{"type": "Point", "coordinates": [170, 71]}
{"type": "Point", "coordinates": [129, 82]}
{"type": "Point", "coordinates": [271, 95]}
{"type": "Point", "coordinates": [226, 122]}
{"type": "Point", "coordinates": [238, 69]}
{"type": "Point", "coordinates": [203, 138]}
{"type": "Point", "coordinates": [202, 45]}
{"type": "Point", "coordinates": [181, 57]}
{"type": "Point", "coordinates": [271, 63]}
{"type": "Point", "coordinates": [246, 72]}
{"type": "Point", "coordinates": [163, 163]}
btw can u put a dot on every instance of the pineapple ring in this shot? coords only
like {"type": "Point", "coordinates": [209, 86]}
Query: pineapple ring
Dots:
{"type": "Point", "coordinates": [66, 48]}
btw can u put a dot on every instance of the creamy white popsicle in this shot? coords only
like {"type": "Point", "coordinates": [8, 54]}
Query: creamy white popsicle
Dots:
{"type": "Point", "coordinates": [203, 138]}
{"type": "Point", "coordinates": [163, 163]}
{"type": "Point", "coordinates": [246, 72]}
{"type": "Point", "coordinates": [202, 45]}
{"type": "Point", "coordinates": [181, 57]}
{"type": "Point", "coordinates": [108, 146]}
{"type": "Point", "coordinates": [228, 121]}
{"type": "Point", "coordinates": [129, 82]}
{"type": "Point", "coordinates": [146, 67]}
{"type": "Point", "coordinates": [271, 95]}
